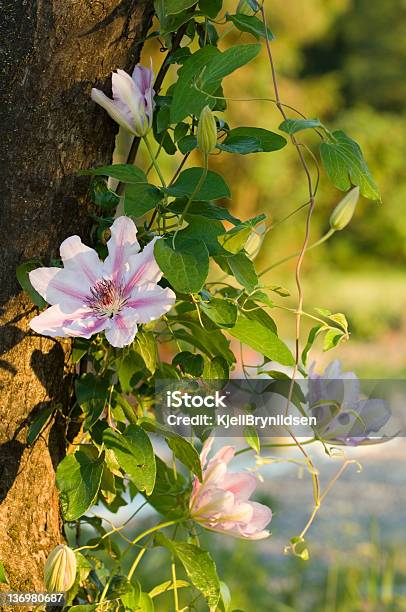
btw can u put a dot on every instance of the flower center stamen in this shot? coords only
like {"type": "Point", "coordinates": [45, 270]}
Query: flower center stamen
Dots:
{"type": "Point", "coordinates": [107, 298]}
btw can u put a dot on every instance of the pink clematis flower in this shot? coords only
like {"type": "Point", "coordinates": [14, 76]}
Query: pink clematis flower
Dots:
{"type": "Point", "coordinates": [132, 105]}
{"type": "Point", "coordinates": [221, 502]}
{"type": "Point", "coordinates": [89, 296]}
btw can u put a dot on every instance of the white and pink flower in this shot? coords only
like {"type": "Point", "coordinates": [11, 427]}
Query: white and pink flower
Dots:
{"type": "Point", "coordinates": [132, 105]}
{"type": "Point", "coordinates": [221, 502]}
{"type": "Point", "coordinates": [88, 296]}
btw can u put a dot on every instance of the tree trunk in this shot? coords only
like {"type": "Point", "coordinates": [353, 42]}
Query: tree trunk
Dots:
{"type": "Point", "coordinates": [54, 52]}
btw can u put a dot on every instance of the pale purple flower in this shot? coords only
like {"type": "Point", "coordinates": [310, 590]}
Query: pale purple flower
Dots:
{"type": "Point", "coordinates": [89, 296]}
{"type": "Point", "coordinates": [221, 502]}
{"type": "Point", "coordinates": [343, 416]}
{"type": "Point", "coordinates": [132, 105]}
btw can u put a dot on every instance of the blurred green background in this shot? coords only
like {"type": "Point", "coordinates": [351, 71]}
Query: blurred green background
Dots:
{"type": "Point", "coordinates": [342, 61]}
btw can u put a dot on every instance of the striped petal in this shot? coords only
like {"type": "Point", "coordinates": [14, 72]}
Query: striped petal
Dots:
{"type": "Point", "coordinates": [122, 244]}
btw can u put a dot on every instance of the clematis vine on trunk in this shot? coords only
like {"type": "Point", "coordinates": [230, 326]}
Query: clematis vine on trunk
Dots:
{"type": "Point", "coordinates": [88, 296]}
{"type": "Point", "coordinates": [132, 105]}
{"type": "Point", "coordinates": [221, 502]}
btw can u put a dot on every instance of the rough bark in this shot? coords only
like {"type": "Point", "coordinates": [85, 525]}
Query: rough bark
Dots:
{"type": "Point", "coordinates": [54, 52]}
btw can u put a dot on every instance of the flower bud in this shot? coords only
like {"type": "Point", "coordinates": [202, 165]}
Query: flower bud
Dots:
{"type": "Point", "coordinates": [343, 212]}
{"type": "Point", "coordinates": [60, 569]}
{"type": "Point", "coordinates": [206, 131]}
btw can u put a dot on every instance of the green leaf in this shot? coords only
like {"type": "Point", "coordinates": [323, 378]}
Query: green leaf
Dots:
{"type": "Point", "coordinates": [132, 598]}
{"type": "Point", "coordinates": [216, 369]}
{"type": "Point", "coordinates": [227, 62]}
{"type": "Point", "coordinates": [177, 6]}
{"type": "Point", "coordinates": [234, 240]}
{"type": "Point", "coordinates": [187, 144]}
{"type": "Point", "coordinates": [139, 198]}
{"type": "Point", "coordinates": [314, 332]}
{"type": "Point", "coordinates": [261, 296]}
{"type": "Point", "coordinates": [170, 496]}
{"type": "Point", "coordinates": [199, 229]}
{"type": "Point", "coordinates": [118, 586]}
{"type": "Point", "coordinates": [163, 119]}
{"type": "Point", "coordinates": [166, 586]}
{"type": "Point", "coordinates": [204, 209]}
{"type": "Point", "coordinates": [222, 312]}
{"type": "Point", "coordinates": [91, 395]}
{"type": "Point", "coordinates": [189, 363]}
{"type": "Point", "coordinates": [172, 23]}
{"type": "Point", "coordinates": [252, 439]}
{"type": "Point", "coordinates": [298, 546]}
{"type": "Point", "coordinates": [3, 575]}
{"type": "Point", "coordinates": [251, 24]}
{"type": "Point", "coordinates": [126, 173]}
{"type": "Point", "coordinates": [199, 567]}
{"type": "Point", "coordinates": [145, 603]}
{"type": "Point", "coordinates": [207, 342]}
{"type": "Point", "coordinates": [246, 140]}
{"type": "Point", "coordinates": [242, 268]}
{"type": "Point", "coordinates": [186, 267]}
{"type": "Point", "coordinates": [78, 479]}
{"type": "Point", "coordinates": [291, 126]}
{"type": "Point", "coordinates": [206, 68]}
{"type": "Point", "coordinates": [254, 312]}
{"type": "Point", "coordinates": [340, 319]}
{"type": "Point", "coordinates": [130, 369]}
{"type": "Point", "coordinates": [180, 131]}
{"type": "Point", "coordinates": [345, 165]}
{"type": "Point", "coordinates": [101, 195]}
{"type": "Point", "coordinates": [181, 448]}
{"type": "Point", "coordinates": [164, 140]}
{"type": "Point", "coordinates": [225, 598]}
{"type": "Point", "coordinates": [83, 608]}
{"type": "Point", "coordinates": [332, 338]}
{"type": "Point", "coordinates": [214, 187]}
{"type": "Point", "coordinates": [79, 349]}
{"type": "Point", "coordinates": [83, 567]}
{"type": "Point", "coordinates": [135, 455]}
{"type": "Point", "coordinates": [145, 345]}
{"type": "Point", "coordinates": [22, 276]}
{"type": "Point", "coordinates": [179, 56]}
{"type": "Point", "coordinates": [210, 342]}
{"type": "Point", "coordinates": [261, 339]}
{"type": "Point", "coordinates": [39, 423]}
{"type": "Point", "coordinates": [210, 8]}
{"type": "Point", "coordinates": [187, 99]}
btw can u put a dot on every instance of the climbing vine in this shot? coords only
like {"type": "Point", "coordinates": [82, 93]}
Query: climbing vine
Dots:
{"type": "Point", "coordinates": [168, 282]}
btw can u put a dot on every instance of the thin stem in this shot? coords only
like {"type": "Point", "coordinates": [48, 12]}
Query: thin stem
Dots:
{"type": "Point", "coordinates": [249, 448]}
{"type": "Point", "coordinates": [289, 257]}
{"type": "Point", "coordinates": [143, 535]}
{"type": "Point", "coordinates": [175, 587]}
{"type": "Point", "coordinates": [182, 163]}
{"type": "Point", "coordinates": [315, 478]}
{"type": "Point", "coordinates": [156, 528]}
{"type": "Point", "coordinates": [136, 562]}
{"type": "Point", "coordinates": [104, 593]}
{"type": "Point", "coordinates": [106, 535]}
{"type": "Point", "coordinates": [154, 161]}
{"type": "Point", "coordinates": [280, 221]}
{"type": "Point", "coordinates": [153, 217]}
{"type": "Point", "coordinates": [325, 492]}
